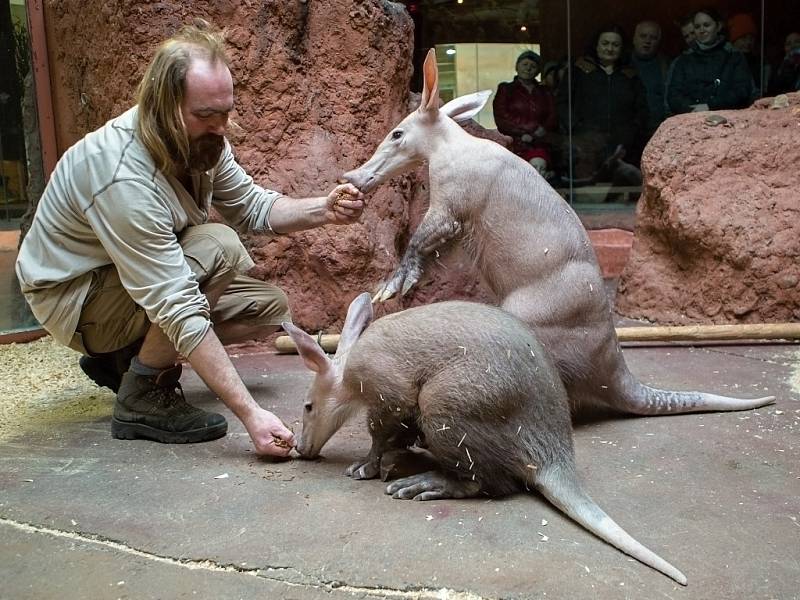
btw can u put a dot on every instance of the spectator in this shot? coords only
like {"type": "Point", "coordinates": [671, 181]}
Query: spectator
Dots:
{"type": "Point", "coordinates": [552, 72]}
{"type": "Point", "coordinates": [743, 35]}
{"type": "Point", "coordinates": [687, 33]}
{"type": "Point", "coordinates": [652, 68]}
{"type": "Point", "coordinates": [712, 75]}
{"type": "Point", "coordinates": [687, 30]}
{"type": "Point", "coordinates": [121, 265]}
{"type": "Point", "coordinates": [609, 106]}
{"type": "Point", "coordinates": [525, 111]}
{"type": "Point", "coordinates": [787, 75]}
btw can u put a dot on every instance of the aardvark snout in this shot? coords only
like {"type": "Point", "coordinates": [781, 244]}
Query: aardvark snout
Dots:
{"type": "Point", "coordinates": [362, 179]}
{"type": "Point", "coordinates": [305, 450]}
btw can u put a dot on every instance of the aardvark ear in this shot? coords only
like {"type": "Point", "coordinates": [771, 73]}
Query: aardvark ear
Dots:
{"type": "Point", "coordinates": [466, 107]}
{"type": "Point", "coordinates": [312, 354]}
{"type": "Point", "coordinates": [359, 315]}
{"type": "Point", "coordinates": [430, 86]}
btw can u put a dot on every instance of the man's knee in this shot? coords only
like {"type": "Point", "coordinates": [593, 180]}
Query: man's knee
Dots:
{"type": "Point", "coordinates": [214, 253]}
{"type": "Point", "coordinates": [110, 319]}
{"type": "Point", "coordinates": [253, 302]}
{"type": "Point", "coordinates": [274, 307]}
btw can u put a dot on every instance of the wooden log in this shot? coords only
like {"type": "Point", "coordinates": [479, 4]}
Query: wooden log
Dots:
{"type": "Point", "coordinates": [682, 333]}
{"type": "Point", "coordinates": [328, 341]}
{"type": "Point", "coordinates": [706, 333]}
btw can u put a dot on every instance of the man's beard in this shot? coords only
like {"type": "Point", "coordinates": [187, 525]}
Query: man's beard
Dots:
{"type": "Point", "coordinates": [204, 152]}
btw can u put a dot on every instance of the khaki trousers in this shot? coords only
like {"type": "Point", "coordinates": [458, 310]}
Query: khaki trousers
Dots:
{"type": "Point", "coordinates": [110, 320]}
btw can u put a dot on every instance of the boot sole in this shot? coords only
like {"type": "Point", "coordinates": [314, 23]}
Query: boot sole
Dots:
{"type": "Point", "coordinates": [123, 430]}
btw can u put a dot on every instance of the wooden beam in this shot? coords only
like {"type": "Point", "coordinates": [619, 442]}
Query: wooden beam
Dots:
{"type": "Point", "coordinates": [716, 333]}
{"type": "Point", "coordinates": [682, 333]}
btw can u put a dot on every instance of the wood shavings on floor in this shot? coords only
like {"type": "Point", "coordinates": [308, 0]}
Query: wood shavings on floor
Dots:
{"type": "Point", "coordinates": [43, 386]}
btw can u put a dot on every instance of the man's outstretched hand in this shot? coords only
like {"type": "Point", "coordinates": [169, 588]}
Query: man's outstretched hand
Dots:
{"type": "Point", "coordinates": [345, 204]}
{"type": "Point", "coordinates": [268, 433]}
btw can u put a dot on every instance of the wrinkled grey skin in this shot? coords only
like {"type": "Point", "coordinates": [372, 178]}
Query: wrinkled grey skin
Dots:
{"type": "Point", "coordinates": [529, 246]}
{"type": "Point", "coordinates": [474, 383]}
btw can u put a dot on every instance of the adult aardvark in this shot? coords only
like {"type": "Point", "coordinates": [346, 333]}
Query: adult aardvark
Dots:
{"type": "Point", "coordinates": [528, 244]}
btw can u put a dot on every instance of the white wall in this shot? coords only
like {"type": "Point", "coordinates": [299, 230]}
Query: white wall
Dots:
{"type": "Point", "coordinates": [475, 67]}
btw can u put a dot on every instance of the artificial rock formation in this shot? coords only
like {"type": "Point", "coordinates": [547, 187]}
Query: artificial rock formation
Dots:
{"type": "Point", "coordinates": [318, 85]}
{"type": "Point", "coordinates": [718, 225]}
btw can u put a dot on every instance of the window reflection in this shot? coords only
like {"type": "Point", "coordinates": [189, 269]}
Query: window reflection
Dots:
{"type": "Point", "coordinates": [21, 174]}
{"type": "Point", "coordinates": [609, 67]}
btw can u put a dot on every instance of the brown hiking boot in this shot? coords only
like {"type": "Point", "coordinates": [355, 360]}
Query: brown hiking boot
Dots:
{"type": "Point", "coordinates": [154, 408]}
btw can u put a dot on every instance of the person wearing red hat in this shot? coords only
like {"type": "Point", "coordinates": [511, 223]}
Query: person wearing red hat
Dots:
{"type": "Point", "coordinates": [743, 34]}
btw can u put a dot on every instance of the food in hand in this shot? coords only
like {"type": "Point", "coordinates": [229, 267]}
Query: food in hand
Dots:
{"type": "Point", "coordinates": [281, 443]}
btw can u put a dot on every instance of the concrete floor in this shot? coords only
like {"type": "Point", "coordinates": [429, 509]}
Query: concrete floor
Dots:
{"type": "Point", "coordinates": [83, 516]}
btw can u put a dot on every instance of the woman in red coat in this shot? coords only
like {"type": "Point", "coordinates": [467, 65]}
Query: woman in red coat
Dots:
{"type": "Point", "coordinates": [525, 110]}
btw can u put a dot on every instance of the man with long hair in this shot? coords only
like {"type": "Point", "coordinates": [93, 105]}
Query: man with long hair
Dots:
{"type": "Point", "coordinates": [121, 264]}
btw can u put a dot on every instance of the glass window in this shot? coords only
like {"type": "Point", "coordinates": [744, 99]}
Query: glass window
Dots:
{"type": "Point", "coordinates": [606, 66]}
{"type": "Point", "coordinates": [21, 173]}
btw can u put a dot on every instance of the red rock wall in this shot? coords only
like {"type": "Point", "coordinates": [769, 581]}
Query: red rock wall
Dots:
{"type": "Point", "coordinates": [718, 225]}
{"type": "Point", "coordinates": [318, 85]}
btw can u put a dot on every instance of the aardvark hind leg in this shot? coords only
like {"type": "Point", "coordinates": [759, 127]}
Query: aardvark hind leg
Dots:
{"type": "Point", "coordinates": [432, 485]}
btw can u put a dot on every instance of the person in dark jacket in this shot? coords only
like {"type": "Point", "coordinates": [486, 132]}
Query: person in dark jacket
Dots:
{"type": "Point", "coordinates": [652, 67]}
{"type": "Point", "coordinates": [787, 76]}
{"type": "Point", "coordinates": [712, 75]}
{"type": "Point", "coordinates": [686, 25]}
{"type": "Point", "coordinates": [609, 106]}
{"type": "Point", "coordinates": [525, 110]}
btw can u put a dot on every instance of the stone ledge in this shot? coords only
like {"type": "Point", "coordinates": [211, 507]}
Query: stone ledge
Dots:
{"type": "Point", "coordinates": [613, 249]}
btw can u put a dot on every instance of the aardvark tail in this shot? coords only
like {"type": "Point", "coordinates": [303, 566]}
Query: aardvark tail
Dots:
{"type": "Point", "coordinates": [652, 401]}
{"type": "Point", "coordinates": [561, 487]}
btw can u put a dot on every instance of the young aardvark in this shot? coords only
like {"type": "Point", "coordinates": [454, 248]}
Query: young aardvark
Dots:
{"type": "Point", "coordinates": [528, 244]}
{"type": "Point", "coordinates": [477, 385]}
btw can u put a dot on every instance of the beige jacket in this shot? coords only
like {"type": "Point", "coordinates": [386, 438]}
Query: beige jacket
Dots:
{"type": "Point", "coordinates": [107, 203]}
